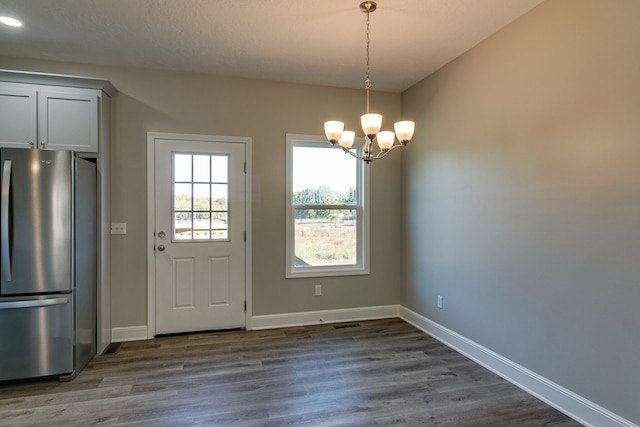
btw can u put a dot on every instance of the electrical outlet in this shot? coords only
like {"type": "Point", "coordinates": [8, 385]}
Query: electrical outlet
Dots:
{"type": "Point", "coordinates": [318, 290]}
{"type": "Point", "coordinates": [439, 301]}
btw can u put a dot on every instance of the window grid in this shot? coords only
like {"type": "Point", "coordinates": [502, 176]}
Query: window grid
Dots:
{"type": "Point", "coordinates": [200, 202]}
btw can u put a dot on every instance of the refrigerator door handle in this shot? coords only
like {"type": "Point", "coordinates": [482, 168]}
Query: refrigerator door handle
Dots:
{"type": "Point", "coordinates": [33, 303]}
{"type": "Point", "coordinates": [4, 221]}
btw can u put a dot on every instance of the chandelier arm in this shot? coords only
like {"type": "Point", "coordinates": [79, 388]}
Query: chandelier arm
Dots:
{"type": "Point", "coordinates": [363, 157]}
{"type": "Point", "coordinates": [348, 151]}
{"type": "Point", "coordinates": [371, 158]}
{"type": "Point", "coordinates": [382, 154]}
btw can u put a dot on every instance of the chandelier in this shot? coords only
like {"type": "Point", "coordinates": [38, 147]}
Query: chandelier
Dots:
{"type": "Point", "coordinates": [371, 122]}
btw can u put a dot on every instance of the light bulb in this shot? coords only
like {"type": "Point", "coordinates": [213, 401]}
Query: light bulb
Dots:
{"type": "Point", "coordinates": [404, 131]}
{"type": "Point", "coordinates": [371, 123]}
{"type": "Point", "coordinates": [333, 130]}
{"type": "Point", "coordinates": [347, 138]}
{"type": "Point", "coordinates": [385, 139]}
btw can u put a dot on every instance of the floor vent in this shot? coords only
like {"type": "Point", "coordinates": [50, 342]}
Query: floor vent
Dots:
{"type": "Point", "coordinates": [112, 348]}
{"type": "Point", "coordinates": [347, 325]}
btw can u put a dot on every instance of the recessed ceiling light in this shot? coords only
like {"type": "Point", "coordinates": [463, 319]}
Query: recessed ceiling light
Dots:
{"type": "Point", "coordinates": [12, 22]}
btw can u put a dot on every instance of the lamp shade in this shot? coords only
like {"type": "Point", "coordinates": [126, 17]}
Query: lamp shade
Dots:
{"type": "Point", "coordinates": [385, 139]}
{"type": "Point", "coordinates": [333, 129]}
{"type": "Point", "coordinates": [371, 123]}
{"type": "Point", "coordinates": [404, 130]}
{"type": "Point", "coordinates": [346, 139]}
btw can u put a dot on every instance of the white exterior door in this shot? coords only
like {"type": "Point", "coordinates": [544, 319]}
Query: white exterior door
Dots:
{"type": "Point", "coordinates": [199, 235]}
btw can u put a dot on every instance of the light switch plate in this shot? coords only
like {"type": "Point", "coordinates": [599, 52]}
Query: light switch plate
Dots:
{"type": "Point", "coordinates": [118, 228]}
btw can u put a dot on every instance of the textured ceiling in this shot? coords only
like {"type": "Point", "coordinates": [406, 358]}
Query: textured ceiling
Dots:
{"type": "Point", "coordinates": [315, 42]}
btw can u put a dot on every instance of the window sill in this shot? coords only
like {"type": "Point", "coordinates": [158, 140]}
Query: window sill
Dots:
{"type": "Point", "coordinates": [301, 272]}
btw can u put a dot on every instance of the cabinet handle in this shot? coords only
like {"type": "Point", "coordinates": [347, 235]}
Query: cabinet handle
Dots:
{"type": "Point", "coordinates": [43, 143]}
{"type": "Point", "coordinates": [32, 144]}
{"type": "Point", "coordinates": [4, 221]}
{"type": "Point", "coordinates": [34, 303]}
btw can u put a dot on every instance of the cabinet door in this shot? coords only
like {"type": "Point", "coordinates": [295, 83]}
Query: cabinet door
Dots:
{"type": "Point", "coordinates": [17, 117]}
{"type": "Point", "coordinates": [68, 120]}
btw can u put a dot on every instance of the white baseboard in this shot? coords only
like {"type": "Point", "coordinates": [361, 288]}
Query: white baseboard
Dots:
{"type": "Point", "coordinates": [575, 406]}
{"type": "Point", "coordinates": [270, 321]}
{"type": "Point", "coordinates": [129, 333]}
{"type": "Point", "coordinates": [566, 401]}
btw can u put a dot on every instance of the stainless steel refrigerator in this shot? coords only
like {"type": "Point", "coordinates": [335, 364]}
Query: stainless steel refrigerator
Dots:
{"type": "Point", "coordinates": [47, 263]}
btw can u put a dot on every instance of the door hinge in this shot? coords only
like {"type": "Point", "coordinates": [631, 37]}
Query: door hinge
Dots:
{"type": "Point", "coordinates": [245, 167]}
{"type": "Point", "coordinates": [245, 236]}
{"type": "Point", "coordinates": [245, 306]}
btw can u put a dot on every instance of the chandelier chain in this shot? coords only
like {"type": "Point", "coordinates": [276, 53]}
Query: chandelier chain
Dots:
{"type": "Point", "coordinates": [367, 82]}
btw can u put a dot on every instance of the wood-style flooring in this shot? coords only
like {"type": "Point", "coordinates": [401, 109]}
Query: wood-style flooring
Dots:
{"type": "Point", "coordinates": [381, 373]}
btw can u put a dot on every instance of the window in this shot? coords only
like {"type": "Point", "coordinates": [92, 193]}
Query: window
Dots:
{"type": "Point", "coordinates": [200, 197]}
{"type": "Point", "coordinates": [327, 210]}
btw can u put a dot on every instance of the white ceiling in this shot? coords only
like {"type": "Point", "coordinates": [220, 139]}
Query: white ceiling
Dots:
{"type": "Point", "coordinates": [315, 42]}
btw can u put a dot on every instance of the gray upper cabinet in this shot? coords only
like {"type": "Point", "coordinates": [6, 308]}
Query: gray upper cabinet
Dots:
{"type": "Point", "coordinates": [18, 118]}
{"type": "Point", "coordinates": [49, 117]}
{"type": "Point", "coordinates": [68, 120]}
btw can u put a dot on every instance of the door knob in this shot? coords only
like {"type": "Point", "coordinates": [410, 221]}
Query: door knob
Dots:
{"type": "Point", "coordinates": [161, 248]}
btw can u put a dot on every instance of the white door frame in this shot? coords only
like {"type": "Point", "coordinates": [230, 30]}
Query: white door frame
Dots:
{"type": "Point", "coordinates": [151, 203]}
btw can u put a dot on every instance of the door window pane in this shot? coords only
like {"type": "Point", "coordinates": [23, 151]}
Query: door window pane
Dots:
{"type": "Point", "coordinates": [183, 226]}
{"type": "Point", "coordinates": [201, 197]}
{"type": "Point", "coordinates": [200, 208]}
{"type": "Point", "coordinates": [219, 169]}
{"type": "Point", "coordinates": [202, 168]}
{"type": "Point", "coordinates": [202, 226]}
{"type": "Point", "coordinates": [219, 225]}
{"type": "Point", "coordinates": [182, 168]}
{"type": "Point", "coordinates": [182, 197]}
{"type": "Point", "coordinates": [220, 197]}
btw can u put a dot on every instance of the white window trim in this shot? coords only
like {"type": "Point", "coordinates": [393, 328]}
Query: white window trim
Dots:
{"type": "Point", "coordinates": [362, 265]}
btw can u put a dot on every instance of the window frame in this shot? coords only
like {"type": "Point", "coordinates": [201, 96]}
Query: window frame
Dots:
{"type": "Point", "coordinates": [362, 211]}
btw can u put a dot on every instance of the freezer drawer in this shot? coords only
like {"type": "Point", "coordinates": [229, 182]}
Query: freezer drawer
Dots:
{"type": "Point", "coordinates": [36, 337]}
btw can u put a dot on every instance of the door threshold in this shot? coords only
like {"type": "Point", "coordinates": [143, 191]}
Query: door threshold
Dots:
{"type": "Point", "coordinates": [208, 331]}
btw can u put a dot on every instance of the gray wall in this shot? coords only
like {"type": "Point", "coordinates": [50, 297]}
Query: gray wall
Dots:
{"type": "Point", "coordinates": [157, 101]}
{"type": "Point", "coordinates": [522, 197]}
